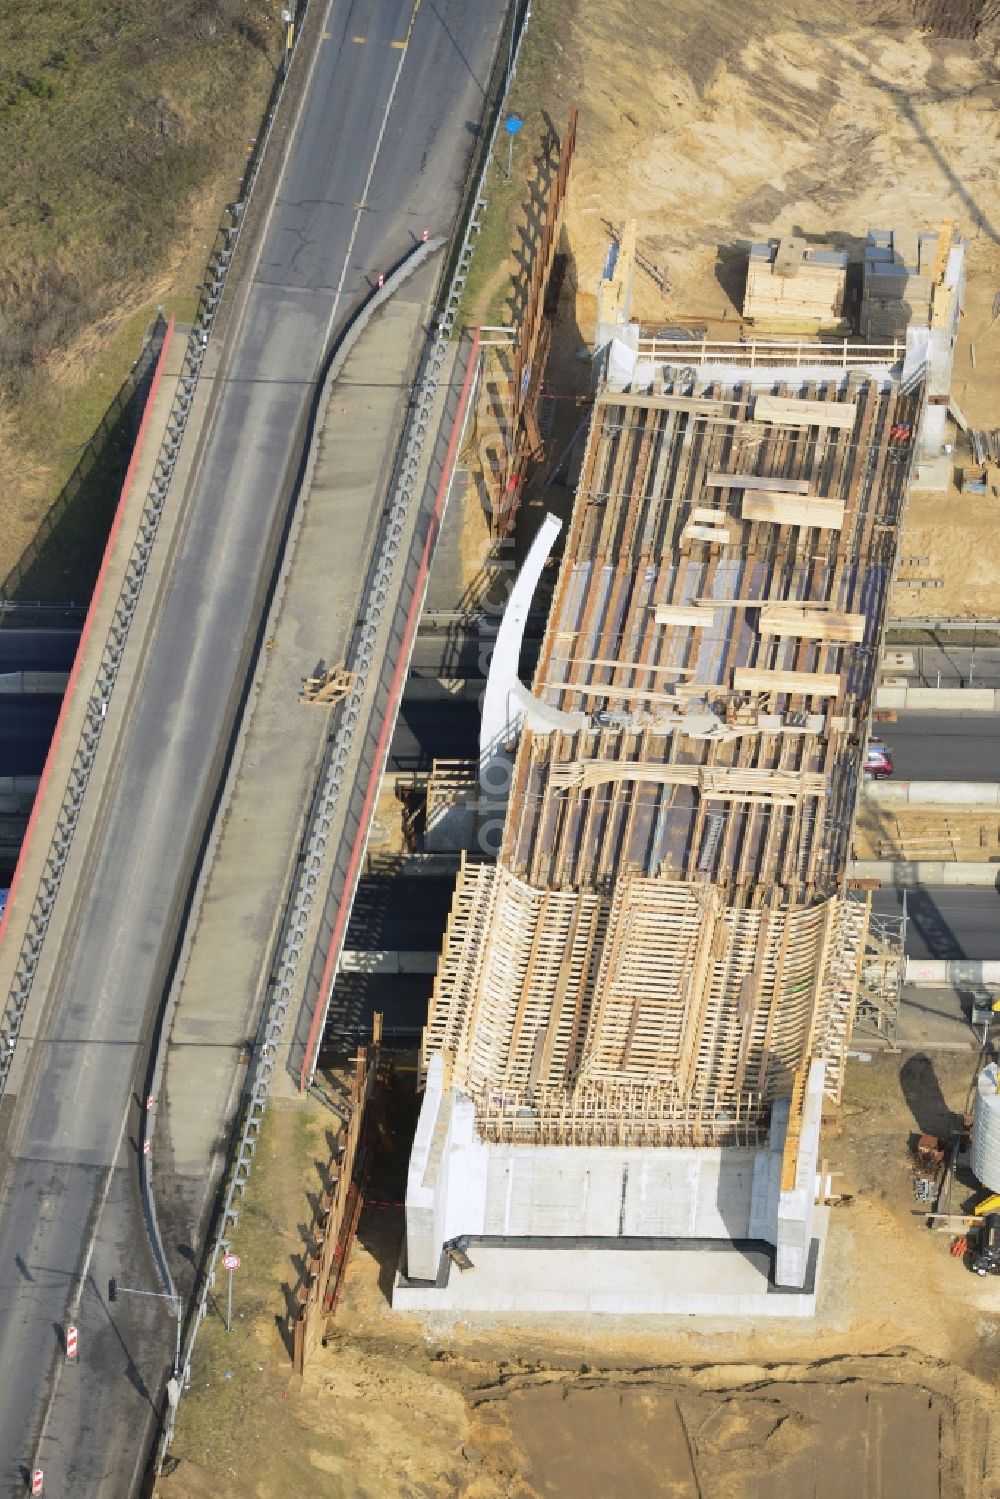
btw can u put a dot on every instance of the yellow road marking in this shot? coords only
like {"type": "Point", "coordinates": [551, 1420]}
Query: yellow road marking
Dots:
{"type": "Point", "coordinates": [359, 39]}
{"type": "Point", "coordinates": [400, 45]}
{"type": "Point", "coordinates": [327, 35]}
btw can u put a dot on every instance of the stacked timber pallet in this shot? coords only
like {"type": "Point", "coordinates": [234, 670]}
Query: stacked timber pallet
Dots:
{"type": "Point", "coordinates": [899, 273]}
{"type": "Point", "coordinates": [793, 285]}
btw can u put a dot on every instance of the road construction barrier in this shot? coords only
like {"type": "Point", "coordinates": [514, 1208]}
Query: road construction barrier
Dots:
{"type": "Point", "coordinates": [911, 874]}
{"type": "Point", "coordinates": [971, 794]}
{"type": "Point", "coordinates": [939, 699]}
{"type": "Point", "coordinates": [956, 973]}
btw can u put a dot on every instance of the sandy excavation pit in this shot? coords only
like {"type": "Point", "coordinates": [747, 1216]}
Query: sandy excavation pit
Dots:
{"type": "Point", "coordinates": [872, 1427]}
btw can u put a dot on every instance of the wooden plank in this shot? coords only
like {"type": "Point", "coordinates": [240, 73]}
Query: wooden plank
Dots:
{"type": "Point", "coordinates": [705, 533]}
{"type": "Point", "coordinates": [698, 618]}
{"type": "Point", "coordinates": [789, 412]}
{"type": "Point", "coordinates": [708, 515]}
{"type": "Point", "coordinates": [716, 480]}
{"type": "Point", "coordinates": [697, 405]}
{"type": "Point", "coordinates": [793, 510]}
{"type": "Point", "coordinates": [808, 683]}
{"type": "Point", "coordinates": [812, 624]}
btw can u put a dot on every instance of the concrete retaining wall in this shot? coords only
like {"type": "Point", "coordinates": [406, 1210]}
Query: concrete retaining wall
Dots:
{"type": "Point", "coordinates": [31, 683]}
{"type": "Point", "coordinates": [959, 972]}
{"type": "Point", "coordinates": [911, 873]}
{"type": "Point", "coordinates": [972, 794]}
{"type": "Point", "coordinates": [385, 960]}
{"type": "Point", "coordinates": [939, 699]}
{"type": "Point", "coordinates": [459, 1184]}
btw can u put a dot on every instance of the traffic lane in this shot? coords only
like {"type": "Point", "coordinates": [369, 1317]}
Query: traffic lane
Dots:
{"type": "Point", "coordinates": [428, 136]}
{"type": "Point", "coordinates": [437, 653]}
{"type": "Point", "coordinates": [943, 746]}
{"type": "Point", "coordinates": [945, 922]}
{"type": "Point", "coordinates": [400, 914]}
{"type": "Point", "coordinates": [37, 650]}
{"type": "Point", "coordinates": [446, 730]}
{"type": "Point", "coordinates": [401, 999]}
{"type": "Point", "coordinates": [26, 725]}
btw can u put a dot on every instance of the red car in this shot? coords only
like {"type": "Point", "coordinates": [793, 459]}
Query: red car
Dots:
{"type": "Point", "coordinates": [878, 760]}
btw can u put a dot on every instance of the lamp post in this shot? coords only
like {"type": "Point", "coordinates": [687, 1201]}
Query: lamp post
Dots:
{"type": "Point", "coordinates": [177, 1306]}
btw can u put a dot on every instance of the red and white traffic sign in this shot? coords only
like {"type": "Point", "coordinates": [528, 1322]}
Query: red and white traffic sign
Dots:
{"type": "Point", "coordinates": [37, 1481]}
{"type": "Point", "coordinates": [72, 1341]}
{"type": "Point", "coordinates": [231, 1262]}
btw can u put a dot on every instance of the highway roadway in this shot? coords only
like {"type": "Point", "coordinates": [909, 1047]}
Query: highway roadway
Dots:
{"type": "Point", "coordinates": [944, 746]}
{"type": "Point", "coordinates": [379, 151]}
{"type": "Point", "coordinates": [945, 922]}
{"type": "Point", "coordinates": [37, 650]}
{"type": "Point", "coordinates": [26, 725]}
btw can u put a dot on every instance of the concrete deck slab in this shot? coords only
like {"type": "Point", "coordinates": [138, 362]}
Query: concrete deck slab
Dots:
{"type": "Point", "coordinates": [253, 857]}
{"type": "Point", "coordinates": [720, 1280]}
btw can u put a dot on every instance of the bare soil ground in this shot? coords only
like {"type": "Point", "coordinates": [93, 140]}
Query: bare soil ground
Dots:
{"type": "Point", "coordinates": [881, 832]}
{"type": "Point", "coordinates": [891, 1390]}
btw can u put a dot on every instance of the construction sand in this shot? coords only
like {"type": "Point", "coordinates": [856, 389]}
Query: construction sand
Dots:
{"type": "Point", "coordinates": [717, 124]}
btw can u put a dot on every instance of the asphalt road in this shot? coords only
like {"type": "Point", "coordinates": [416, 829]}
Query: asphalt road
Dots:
{"type": "Point", "coordinates": [26, 725]}
{"type": "Point", "coordinates": [944, 747]}
{"type": "Point", "coordinates": [37, 650]}
{"type": "Point", "coordinates": [426, 731]}
{"type": "Point", "coordinates": [379, 152]}
{"type": "Point", "coordinates": [946, 923]}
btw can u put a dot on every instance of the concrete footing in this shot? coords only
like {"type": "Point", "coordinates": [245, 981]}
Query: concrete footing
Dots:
{"type": "Point", "coordinates": [626, 1277]}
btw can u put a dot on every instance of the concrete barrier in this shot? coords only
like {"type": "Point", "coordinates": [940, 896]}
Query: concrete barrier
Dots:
{"type": "Point", "coordinates": [934, 973]}
{"type": "Point", "coordinates": [972, 794]}
{"type": "Point", "coordinates": [33, 683]}
{"type": "Point", "coordinates": [382, 960]}
{"type": "Point", "coordinates": [910, 874]}
{"type": "Point", "coordinates": [939, 699]}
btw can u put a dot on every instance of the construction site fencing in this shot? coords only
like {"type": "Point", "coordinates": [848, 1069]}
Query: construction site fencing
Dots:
{"type": "Point", "coordinates": [339, 1209]}
{"type": "Point", "coordinates": [220, 260]}
{"type": "Point", "coordinates": [381, 595]}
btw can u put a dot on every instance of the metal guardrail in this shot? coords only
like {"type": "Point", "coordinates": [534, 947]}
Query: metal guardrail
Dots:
{"type": "Point", "coordinates": [333, 773]}
{"type": "Point", "coordinates": [946, 623]}
{"type": "Point", "coordinates": [763, 352]}
{"type": "Point", "coordinates": [68, 818]}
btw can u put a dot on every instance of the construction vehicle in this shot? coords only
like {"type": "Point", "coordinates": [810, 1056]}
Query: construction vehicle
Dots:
{"type": "Point", "coordinates": [986, 1255]}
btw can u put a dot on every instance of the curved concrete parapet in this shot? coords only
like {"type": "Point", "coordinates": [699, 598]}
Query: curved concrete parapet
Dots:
{"type": "Point", "coordinates": [503, 706]}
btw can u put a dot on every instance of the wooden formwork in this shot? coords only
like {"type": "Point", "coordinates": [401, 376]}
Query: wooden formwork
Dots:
{"type": "Point", "coordinates": [339, 1209]}
{"type": "Point", "coordinates": [530, 352]}
{"type": "Point", "coordinates": [667, 929]}
{"type": "Point", "coordinates": [659, 985]}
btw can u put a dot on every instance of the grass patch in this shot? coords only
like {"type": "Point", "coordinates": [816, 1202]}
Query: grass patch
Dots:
{"type": "Point", "coordinates": [123, 131]}
{"type": "Point", "coordinates": [487, 290]}
{"type": "Point", "coordinates": [237, 1376]}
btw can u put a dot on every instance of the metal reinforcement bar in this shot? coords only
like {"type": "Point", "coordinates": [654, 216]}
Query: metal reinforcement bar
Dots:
{"type": "Point", "coordinates": [219, 264]}
{"type": "Point", "coordinates": [271, 1033]}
